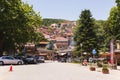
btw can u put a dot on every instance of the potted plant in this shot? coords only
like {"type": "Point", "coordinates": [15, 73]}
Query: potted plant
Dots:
{"type": "Point", "coordinates": [92, 68]}
{"type": "Point", "coordinates": [105, 69]}
{"type": "Point", "coordinates": [99, 64]}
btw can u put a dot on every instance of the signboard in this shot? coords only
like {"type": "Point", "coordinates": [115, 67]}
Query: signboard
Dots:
{"type": "Point", "coordinates": [94, 51]}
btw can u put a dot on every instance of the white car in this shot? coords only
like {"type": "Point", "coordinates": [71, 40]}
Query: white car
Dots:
{"type": "Point", "coordinates": [10, 60]}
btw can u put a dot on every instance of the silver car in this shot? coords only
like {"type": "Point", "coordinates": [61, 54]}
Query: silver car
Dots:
{"type": "Point", "coordinates": [10, 60]}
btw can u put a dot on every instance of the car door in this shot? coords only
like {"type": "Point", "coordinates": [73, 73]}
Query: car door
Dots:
{"type": "Point", "coordinates": [12, 60]}
{"type": "Point", "coordinates": [7, 60]}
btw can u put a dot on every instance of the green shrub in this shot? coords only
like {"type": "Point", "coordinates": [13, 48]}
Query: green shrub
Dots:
{"type": "Point", "coordinates": [104, 67]}
{"type": "Point", "coordinates": [99, 64]}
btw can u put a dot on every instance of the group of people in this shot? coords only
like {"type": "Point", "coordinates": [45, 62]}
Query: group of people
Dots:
{"type": "Point", "coordinates": [84, 61]}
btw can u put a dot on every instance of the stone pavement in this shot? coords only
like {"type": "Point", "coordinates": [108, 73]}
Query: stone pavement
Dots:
{"type": "Point", "coordinates": [56, 71]}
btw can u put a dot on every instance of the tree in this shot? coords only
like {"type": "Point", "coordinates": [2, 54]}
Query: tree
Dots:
{"type": "Point", "coordinates": [85, 33]}
{"type": "Point", "coordinates": [99, 29]}
{"type": "Point", "coordinates": [48, 22]}
{"type": "Point", "coordinates": [118, 3]}
{"type": "Point", "coordinates": [112, 29]}
{"type": "Point", "coordinates": [18, 22]}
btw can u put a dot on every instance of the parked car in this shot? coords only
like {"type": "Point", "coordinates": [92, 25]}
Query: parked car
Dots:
{"type": "Point", "coordinates": [30, 59]}
{"type": "Point", "coordinates": [63, 59]}
{"type": "Point", "coordinates": [19, 57]}
{"type": "Point", "coordinates": [10, 60]}
{"type": "Point", "coordinates": [41, 59]}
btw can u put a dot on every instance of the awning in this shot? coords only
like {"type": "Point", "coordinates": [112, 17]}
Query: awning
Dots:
{"type": "Point", "coordinates": [61, 54]}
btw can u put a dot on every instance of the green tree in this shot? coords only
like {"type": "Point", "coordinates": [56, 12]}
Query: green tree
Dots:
{"type": "Point", "coordinates": [18, 22]}
{"type": "Point", "coordinates": [85, 33]}
{"type": "Point", "coordinates": [118, 3]}
{"type": "Point", "coordinates": [99, 29]}
{"type": "Point", "coordinates": [112, 28]}
{"type": "Point", "coordinates": [48, 22]}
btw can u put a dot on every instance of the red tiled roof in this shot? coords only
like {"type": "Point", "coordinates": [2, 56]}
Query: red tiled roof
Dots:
{"type": "Point", "coordinates": [44, 42]}
{"type": "Point", "coordinates": [61, 39]}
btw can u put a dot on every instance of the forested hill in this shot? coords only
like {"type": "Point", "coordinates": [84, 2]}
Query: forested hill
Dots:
{"type": "Point", "coordinates": [49, 21]}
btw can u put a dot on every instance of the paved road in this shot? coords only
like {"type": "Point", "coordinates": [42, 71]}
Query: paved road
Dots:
{"type": "Point", "coordinates": [55, 71]}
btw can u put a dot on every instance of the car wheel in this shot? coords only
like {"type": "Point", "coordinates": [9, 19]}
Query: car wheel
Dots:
{"type": "Point", "coordinates": [19, 63]}
{"type": "Point", "coordinates": [1, 63]}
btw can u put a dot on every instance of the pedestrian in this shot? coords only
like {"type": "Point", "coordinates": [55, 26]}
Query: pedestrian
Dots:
{"type": "Point", "coordinates": [85, 62]}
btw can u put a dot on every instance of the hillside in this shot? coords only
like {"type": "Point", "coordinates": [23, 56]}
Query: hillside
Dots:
{"type": "Point", "coordinates": [49, 21]}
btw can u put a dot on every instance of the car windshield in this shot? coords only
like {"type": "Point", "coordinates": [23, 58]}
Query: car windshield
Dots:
{"type": "Point", "coordinates": [41, 57]}
{"type": "Point", "coordinates": [7, 57]}
{"type": "Point", "coordinates": [29, 56]}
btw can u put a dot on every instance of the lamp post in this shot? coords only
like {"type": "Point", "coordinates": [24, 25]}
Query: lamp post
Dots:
{"type": "Point", "coordinates": [81, 48]}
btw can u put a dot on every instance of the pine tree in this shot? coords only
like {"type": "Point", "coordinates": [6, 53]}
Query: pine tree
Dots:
{"type": "Point", "coordinates": [85, 33]}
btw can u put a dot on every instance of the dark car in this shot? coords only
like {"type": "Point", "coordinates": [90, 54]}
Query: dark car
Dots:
{"type": "Point", "coordinates": [18, 57]}
{"type": "Point", "coordinates": [30, 60]}
{"type": "Point", "coordinates": [63, 59]}
{"type": "Point", "coordinates": [41, 59]}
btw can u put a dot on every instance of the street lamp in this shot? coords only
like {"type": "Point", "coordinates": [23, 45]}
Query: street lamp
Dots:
{"type": "Point", "coordinates": [81, 48]}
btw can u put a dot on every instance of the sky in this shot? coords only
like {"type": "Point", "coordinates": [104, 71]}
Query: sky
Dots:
{"type": "Point", "coordinates": [71, 9]}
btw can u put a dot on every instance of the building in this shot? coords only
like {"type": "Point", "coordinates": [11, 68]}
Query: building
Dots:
{"type": "Point", "coordinates": [117, 52]}
{"type": "Point", "coordinates": [59, 36]}
{"type": "Point", "coordinates": [30, 49]}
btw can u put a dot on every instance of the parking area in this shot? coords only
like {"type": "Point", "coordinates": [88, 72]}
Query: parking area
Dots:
{"type": "Point", "coordinates": [20, 60]}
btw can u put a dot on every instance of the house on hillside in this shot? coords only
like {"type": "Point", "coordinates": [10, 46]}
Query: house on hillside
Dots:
{"type": "Point", "coordinates": [60, 42]}
{"type": "Point", "coordinates": [117, 52]}
{"type": "Point", "coordinates": [30, 49]}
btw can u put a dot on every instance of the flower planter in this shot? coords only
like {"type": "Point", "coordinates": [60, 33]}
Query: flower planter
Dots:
{"type": "Point", "coordinates": [92, 68]}
{"type": "Point", "coordinates": [105, 71]}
